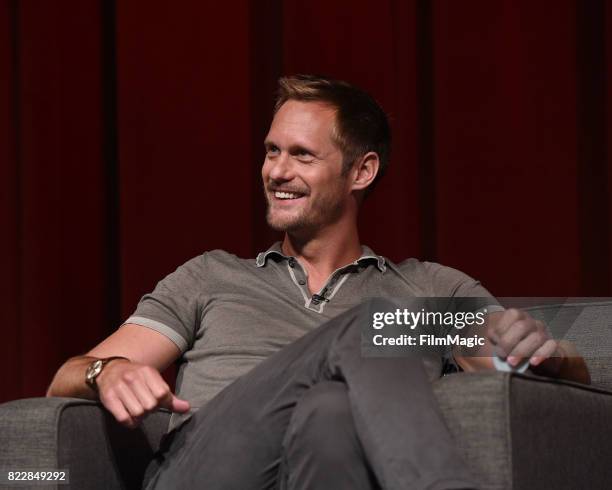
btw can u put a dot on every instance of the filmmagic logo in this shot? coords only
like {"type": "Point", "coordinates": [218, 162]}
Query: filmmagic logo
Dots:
{"type": "Point", "coordinates": [429, 340]}
{"type": "Point", "coordinates": [412, 319]}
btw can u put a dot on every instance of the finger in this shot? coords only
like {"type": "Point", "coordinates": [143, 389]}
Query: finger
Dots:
{"type": "Point", "coordinates": [513, 335]}
{"type": "Point", "coordinates": [507, 319]}
{"type": "Point", "coordinates": [547, 350]}
{"type": "Point", "coordinates": [174, 404]}
{"type": "Point", "coordinates": [115, 407]}
{"type": "Point", "coordinates": [137, 382]}
{"type": "Point", "coordinates": [156, 384]}
{"type": "Point", "coordinates": [526, 347]}
{"type": "Point", "coordinates": [179, 405]}
{"type": "Point", "coordinates": [144, 395]}
{"type": "Point", "coordinates": [129, 400]}
{"type": "Point", "coordinates": [161, 391]}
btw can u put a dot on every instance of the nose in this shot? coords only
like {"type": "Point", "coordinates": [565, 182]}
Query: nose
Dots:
{"type": "Point", "coordinates": [280, 168]}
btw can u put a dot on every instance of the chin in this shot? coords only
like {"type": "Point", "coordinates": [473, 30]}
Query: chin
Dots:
{"type": "Point", "coordinates": [285, 224]}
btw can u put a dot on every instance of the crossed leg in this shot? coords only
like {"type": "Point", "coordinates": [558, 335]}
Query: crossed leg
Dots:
{"type": "Point", "coordinates": [236, 441]}
{"type": "Point", "coordinates": [321, 448]}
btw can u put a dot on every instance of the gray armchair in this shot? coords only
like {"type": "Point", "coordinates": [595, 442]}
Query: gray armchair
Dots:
{"type": "Point", "coordinates": [515, 431]}
{"type": "Point", "coordinates": [46, 433]}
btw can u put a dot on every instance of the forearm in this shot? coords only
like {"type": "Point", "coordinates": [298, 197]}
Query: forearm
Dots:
{"type": "Point", "coordinates": [69, 380]}
{"type": "Point", "coordinates": [130, 384]}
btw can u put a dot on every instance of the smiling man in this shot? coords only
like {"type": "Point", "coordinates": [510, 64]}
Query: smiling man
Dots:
{"type": "Point", "coordinates": [304, 175]}
{"type": "Point", "coordinates": [272, 388]}
{"type": "Point", "coordinates": [313, 191]}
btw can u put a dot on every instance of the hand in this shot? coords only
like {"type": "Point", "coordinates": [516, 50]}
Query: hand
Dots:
{"type": "Point", "coordinates": [517, 336]}
{"type": "Point", "coordinates": [130, 391]}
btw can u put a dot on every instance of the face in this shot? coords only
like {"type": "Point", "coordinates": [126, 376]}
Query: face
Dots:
{"type": "Point", "coordinates": [302, 172]}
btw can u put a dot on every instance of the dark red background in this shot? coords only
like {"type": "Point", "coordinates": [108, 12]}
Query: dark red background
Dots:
{"type": "Point", "coordinates": [131, 140]}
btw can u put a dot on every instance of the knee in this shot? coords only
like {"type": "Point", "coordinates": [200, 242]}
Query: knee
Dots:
{"type": "Point", "coordinates": [324, 403]}
{"type": "Point", "coordinates": [322, 421]}
{"type": "Point", "coordinates": [322, 424]}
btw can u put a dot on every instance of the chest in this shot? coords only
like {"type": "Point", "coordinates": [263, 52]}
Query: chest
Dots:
{"type": "Point", "coordinates": [275, 307]}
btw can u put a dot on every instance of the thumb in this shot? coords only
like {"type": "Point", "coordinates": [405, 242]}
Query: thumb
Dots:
{"type": "Point", "coordinates": [175, 404]}
{"type": "Point", "coordinates": [178, 405]}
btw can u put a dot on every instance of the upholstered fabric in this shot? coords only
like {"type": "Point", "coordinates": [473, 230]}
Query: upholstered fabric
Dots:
{"type": "Point", "coordinates": [588, 325]}
{"type": "Point", "coordinates": [524, 432]}
{"type": "Point", "coordinates": [561, 435]}
{"type": "Point", "coordinates": [516, 432]}
{"type": "Point", "coordinates": [49, 433]}
{"type": "Point", "coordinates": [475, 407]}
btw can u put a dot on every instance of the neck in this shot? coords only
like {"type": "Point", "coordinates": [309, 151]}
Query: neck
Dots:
{"type": "Point", "coordinates": [326, 250]}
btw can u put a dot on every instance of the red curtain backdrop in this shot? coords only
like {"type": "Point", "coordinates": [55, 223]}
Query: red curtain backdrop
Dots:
{"type": "Point", "coordinates": [131, 140]}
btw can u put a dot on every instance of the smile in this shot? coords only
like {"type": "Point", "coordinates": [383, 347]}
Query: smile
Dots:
{"type": "Point", "coordinates": [287, 195]}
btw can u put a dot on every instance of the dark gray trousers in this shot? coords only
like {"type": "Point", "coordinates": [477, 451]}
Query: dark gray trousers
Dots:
{"type": "Point", "coordinates": [255, 433]}
{"type": "Point", "coordinates": [321, 448]}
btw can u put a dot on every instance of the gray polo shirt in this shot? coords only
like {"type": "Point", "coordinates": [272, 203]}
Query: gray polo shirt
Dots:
{"type": "Point", "coordinates": [227, 314]}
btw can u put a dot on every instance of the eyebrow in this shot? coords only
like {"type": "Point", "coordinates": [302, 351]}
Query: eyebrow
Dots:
{"type": "Point", "coordinates": [293, 149]}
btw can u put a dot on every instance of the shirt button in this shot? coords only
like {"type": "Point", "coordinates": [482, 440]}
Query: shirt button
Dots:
{"type": "Point", "coordinates": [301, 282]}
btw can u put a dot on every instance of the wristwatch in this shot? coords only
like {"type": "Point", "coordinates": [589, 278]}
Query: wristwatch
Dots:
{"type": "Point", "coordinates": [95, 368]}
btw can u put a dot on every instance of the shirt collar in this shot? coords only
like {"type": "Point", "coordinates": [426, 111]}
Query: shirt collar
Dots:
{"type": "Point", "coordinates": [367, 256]}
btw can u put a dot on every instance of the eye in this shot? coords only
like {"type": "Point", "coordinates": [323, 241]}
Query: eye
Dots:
{"type": "Point", "coordinates": [272, 150]}
{"type": "Point", "coordinates": [303, 155]}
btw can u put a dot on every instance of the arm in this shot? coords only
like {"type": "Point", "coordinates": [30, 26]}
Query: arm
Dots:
{"type": "Point", "coordinates": [129, 390]}
{"type": "Point", "coordinates": [515, 335]}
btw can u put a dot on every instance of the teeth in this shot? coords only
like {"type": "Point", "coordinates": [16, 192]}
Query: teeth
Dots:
{"type": "Point", "coordinates": [286, 195]}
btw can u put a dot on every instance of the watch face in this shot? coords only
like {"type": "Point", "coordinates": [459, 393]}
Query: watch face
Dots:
{"type": "Point", "coordinates": [94, 369]}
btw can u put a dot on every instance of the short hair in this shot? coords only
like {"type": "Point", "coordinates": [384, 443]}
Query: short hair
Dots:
{"type": "Point", "coordinates": [361, 124]}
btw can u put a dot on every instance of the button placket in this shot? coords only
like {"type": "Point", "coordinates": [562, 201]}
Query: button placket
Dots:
{"type": "Point", "coordinates": [316, 302]}
{"type": "Point", "coordinates": [302, 282]}
{"type": "Point", "coordinates": [319, 299]}
{"type": "Point", "coordinates": [299, 277]}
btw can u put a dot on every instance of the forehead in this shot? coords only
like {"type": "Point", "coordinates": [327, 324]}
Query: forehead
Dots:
{"type": "Point", "coordinates": [296, 120]}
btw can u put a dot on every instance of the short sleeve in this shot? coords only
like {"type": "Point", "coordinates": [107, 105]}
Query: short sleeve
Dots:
{"type": "Point", "coordinates": [449, 282]}
{"type": "Point", "coordinates": [174, 308]}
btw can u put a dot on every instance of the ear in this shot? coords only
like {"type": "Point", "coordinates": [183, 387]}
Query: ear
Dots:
{"type": "Point", "coordinates": [364, 171]}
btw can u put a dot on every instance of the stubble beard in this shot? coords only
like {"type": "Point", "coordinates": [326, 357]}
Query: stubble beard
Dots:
{"type": "Point", "coordinates": [327, 210]}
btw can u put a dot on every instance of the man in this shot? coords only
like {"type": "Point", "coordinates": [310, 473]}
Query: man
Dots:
{"type": "Point", "coordinates": [269, 348]}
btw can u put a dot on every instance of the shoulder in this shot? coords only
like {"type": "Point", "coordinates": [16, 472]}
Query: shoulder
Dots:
{"type": "Point", "coordinates": [435, 278]}
{"type": "Point", "coordinates": [208, 265]}
{"type": "Point", "coordinates": [426, 270]}
{"type": "Point", "coordinates": [218, 262]}
{"type": "Point", "coordinates": [222, 258]}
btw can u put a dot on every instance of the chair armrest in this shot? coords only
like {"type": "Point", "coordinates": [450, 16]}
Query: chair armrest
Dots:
{"type": "Point", "coordinates": [527, 432]}
{"type": "Point", "coordinates": [79, 435]}
{"type": "Point", "coordinates": [561, 434]}
{"type": "Point", "coordinates": [476, 411]}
